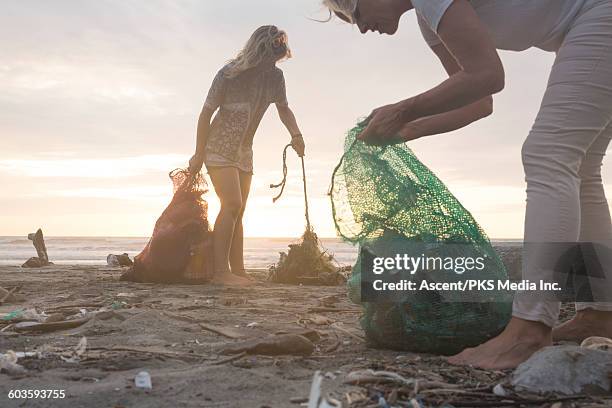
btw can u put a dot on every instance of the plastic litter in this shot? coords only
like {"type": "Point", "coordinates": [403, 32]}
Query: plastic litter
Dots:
{"type": "Point", "coordinates": [119, 260]}
{"type": "Point", "coordinates": [8, 364]}
{"type": "Point", "coordinates": [143, 380]}
{"type": "Point", "coordinates": [382, 402]}
{"type": "Point", "coordinates": [500, 391]}
{"type": "Point", "coordinates": [568, 370]}
{"type": "Point", "coordinates": [26, 314]}
{"type": "Point", "coordinates": [315, 398]}
{"type": "Point", "coordinates": [597, 343]}
{"type": "Point", "coordinates": [77, 352]}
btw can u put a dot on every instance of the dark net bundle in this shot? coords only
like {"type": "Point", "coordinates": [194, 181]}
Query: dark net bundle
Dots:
{"type": "Point", "coordinates": [387, 202]}
{"type": "Point", "coordinates": [180, 249]}
{"type": "Point", "coordinates": [306, 263]}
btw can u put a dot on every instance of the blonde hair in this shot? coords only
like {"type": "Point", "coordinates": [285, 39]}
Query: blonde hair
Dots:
{"type": "Point", "coordinates": [267, 44]}
{"type": "Point", "coordinates": [345, 7]}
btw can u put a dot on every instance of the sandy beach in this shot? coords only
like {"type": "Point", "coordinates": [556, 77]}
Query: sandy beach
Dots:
{"type": "Point", "coordinates": [160, 329]}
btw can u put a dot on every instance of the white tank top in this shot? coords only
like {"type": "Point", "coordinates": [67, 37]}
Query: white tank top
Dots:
{"type": "Point", "coordinates": [514, 24]}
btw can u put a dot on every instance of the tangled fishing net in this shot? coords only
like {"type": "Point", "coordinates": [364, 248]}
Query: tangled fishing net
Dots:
{"type": "Point", "coordinates": [306, 262]}
{"type": "Point", "coordinates": [180, 249]}
{"type": "Point", "coordinates": [387, 202]}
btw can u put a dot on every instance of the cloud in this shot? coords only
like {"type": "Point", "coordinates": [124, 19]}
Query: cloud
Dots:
{"type": "Point", "coordinates": [123, 192]}
{"type": "Point", "coordinates": [91, 168]}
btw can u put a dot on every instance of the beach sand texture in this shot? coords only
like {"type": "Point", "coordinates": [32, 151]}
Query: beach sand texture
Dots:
{"type": "Point", "coordinates": [157, 329]}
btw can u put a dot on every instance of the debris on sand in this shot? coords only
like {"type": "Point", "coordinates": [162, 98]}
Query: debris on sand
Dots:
{"type": "Point", "coordinates": [277, 345]}
{"type": "Point", "coordinates": [315, 398]}
{"type": "Point", "coordinates": [21, 315]}
{"type": "Point", "coordinates": [409, 385]}
{"type": "Point", "coordinates": [10, 296]}
{"type": "Point", "coordinates": [306, 264]}
{"type": "Point", "coordinates": [8, 364]}
{"type": "Point", "coordinates": [119, 260]}
{"type": "Point", "coordinates": [143, 381]}
{"type": "Point", "coordinates": [597, 343]}
{"type": "Point", "coordinates": [568, 370]}
{"type": "Point", "coordinates": [77, 352]}
{"type": "Point", "coordinates": [48, 327]}
{"type": "Point", "coordinates": [31, 321]}
{"type": "Point", "coordinates": [41, 250]}
{"type": "Point", "coordinates": [317, 320]}
{"type": "Point", "coordinates": [222, 331]}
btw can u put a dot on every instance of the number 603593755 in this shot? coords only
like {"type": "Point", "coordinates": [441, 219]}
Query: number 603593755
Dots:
{"type": "Point", "coordinates": [36, 394]}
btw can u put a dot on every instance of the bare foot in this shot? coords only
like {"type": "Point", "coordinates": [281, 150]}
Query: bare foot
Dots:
{"type": "Point", "coordinates": [586, 323]}
{"type": "Point", "coordinates": [229, 279]}
{"type": "Point", "coordinates": [519, 340]}
{"type": "Point", "coordinates": [241, 272]}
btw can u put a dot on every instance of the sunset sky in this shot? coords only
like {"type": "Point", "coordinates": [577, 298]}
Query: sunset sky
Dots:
{"type": "Point", "coordinates": [99, 101]}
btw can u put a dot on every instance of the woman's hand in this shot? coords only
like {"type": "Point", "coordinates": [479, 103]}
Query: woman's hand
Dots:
{"type": "Point", "coordinates": [385, 124]}
{"type": "Point", "coordinates": [297, 142]}
{"type": "Point", "coordinates": [407, 133]}
{"type": "Point", "coordinates": [195, 163]}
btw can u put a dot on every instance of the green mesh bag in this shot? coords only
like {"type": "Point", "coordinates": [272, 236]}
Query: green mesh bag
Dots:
{"type": "Point", "coordinates": [384, 199]}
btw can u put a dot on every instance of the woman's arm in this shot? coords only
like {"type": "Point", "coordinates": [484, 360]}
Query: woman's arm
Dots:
{"type": "Point", "coordinates": [481, 74]}
{"type": "Point", "coordinates": [288, 118]}
{"type": "Point", "coordinates": [196, 162]}
{"type": "Point", "coordinates": [448, 121]}
{"type": "Point", "coordinates": [203, 129]}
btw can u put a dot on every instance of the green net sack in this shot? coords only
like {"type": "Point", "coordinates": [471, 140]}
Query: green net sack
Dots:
{"type": "Point", "coordinates": [386, 201]}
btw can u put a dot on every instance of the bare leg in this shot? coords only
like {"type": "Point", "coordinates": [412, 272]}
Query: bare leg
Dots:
{"type": "Point", "coordinates": [226, 182]}
{"type": "Point", "coordinates": [236, 256]}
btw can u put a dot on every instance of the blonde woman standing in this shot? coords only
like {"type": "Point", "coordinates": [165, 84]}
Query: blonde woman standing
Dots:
{"type": "Point", "coordinates": [562, 156]}
{"type": "Point", "coordinates": [242, 92]}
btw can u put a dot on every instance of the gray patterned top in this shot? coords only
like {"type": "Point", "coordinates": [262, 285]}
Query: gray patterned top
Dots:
{"type": "Point", "coordinates": [242, 103]}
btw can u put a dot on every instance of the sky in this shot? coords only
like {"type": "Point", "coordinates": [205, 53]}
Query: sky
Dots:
{"type": "Point", "coordinates": [99, 100]}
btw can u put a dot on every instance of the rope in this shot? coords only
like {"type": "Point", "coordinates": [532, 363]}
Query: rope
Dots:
{"type": "Point", "coordinates": [305, 196]}
{"type": "Point", "coordinates": [283, 183]}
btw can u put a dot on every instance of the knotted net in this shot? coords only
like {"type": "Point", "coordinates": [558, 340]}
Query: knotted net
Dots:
{"type": "Point", "coordinates": [385, 201]}
{"type": "Point", "coordinates": [180, 248]}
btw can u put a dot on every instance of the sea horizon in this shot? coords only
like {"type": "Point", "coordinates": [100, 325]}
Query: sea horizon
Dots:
{"type": "Point", "coordinates": [259, 252]}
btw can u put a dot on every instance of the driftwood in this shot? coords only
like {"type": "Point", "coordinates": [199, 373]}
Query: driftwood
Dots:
{"type": "Point", "coordinates": [153, 351]}
{"type": "Point", "coordinates": [223, 331]}
{"type": "Point", "coordinates": [49, 327]}
{"type": "Point", "coordinates": [283, 344]}
{"type": "Point", "coordinates": [42, 259]}
{"type": "Point", "coordinates": [229, 359]}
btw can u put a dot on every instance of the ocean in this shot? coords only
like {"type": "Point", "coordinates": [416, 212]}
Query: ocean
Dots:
{"type": "Point", "coordinates": [258, 252]}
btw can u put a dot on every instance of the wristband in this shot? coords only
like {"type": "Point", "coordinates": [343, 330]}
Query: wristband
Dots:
{"type": "Point", "coordinates": [296, 136]}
